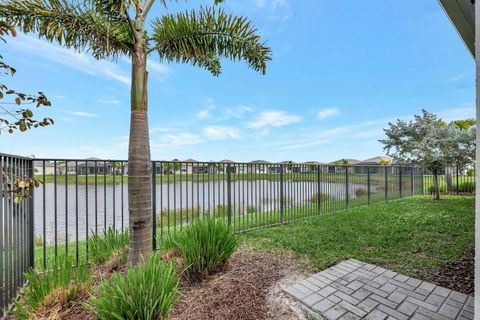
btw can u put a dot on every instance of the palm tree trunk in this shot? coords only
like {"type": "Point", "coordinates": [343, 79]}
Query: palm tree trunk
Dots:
{"type": "Point", "coordinates": [139, 163]}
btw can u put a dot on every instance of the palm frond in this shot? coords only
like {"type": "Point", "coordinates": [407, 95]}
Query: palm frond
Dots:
{"type": "Point", "coordinates": [112, 9]}
{"type": "Point", "coordinates": [71, 25]}
{"type": "Point", "coordinates": [205, 36]}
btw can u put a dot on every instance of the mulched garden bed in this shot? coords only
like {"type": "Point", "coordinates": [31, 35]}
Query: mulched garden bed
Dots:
{"type": "Point", "coordinates": [457, 275]}
{"type": "Point", "coordinates": [240, 291]}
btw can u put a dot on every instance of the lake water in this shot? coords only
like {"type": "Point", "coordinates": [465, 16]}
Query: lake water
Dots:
{"type": "Point", "coordinates": [89, 210]}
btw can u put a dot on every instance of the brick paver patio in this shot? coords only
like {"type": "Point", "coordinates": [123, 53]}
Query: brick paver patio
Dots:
{"type": "Point", "coordinates": [356, 290]}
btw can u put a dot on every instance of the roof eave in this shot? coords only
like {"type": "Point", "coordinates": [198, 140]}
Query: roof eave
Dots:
{"type": "Point", "coordinates": [462, 15]}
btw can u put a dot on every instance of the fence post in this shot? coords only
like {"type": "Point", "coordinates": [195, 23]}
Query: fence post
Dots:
{"type": "Point", "coordinates": [154, 205]}
{"type": "Point", "coordinates": [319, 194]}
{"type": "Point", "coordinates": [347, 191]}
{"type": "Point", "coordinates": [400, 182]}
{"type": "Point", "coordinates": [229, 194]}
{"type": "Point", "coordinates": [368, 183]}
{"type": "Point", "coordinates": [386, 182]}
{"type": "Point", "coordinates": [457, 172]}
{"type": "Point", "coordinates": [282, 201]}
{"type": "Point", "coordinates": [422, 182]}
{"type": "Point", "coordinates": [411, 181]}
{"type": "Point", "coordinates": [31, 237]}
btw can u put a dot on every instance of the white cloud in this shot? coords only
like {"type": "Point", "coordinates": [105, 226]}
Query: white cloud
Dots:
{"type": "Point", "coordinates": [270, 3]}
{"type": "Point", "coordinates": [303, 145]}
{"type": "Point", "coordinates": [326, 113]}
{"type": "Point", "coordinates": [69, 58]}
{"type": "Point", "coordinates": [221, 133]}
{"type": "Point", "coordinates": [277, 10]}
{"type": "Point", "coordinates": [458, 113]}
{"type": "Point", "coordinates": [161, 130]}
{"type": "Point", "coordinates": [236, 112]}
{"type": "Point", "coordinates": [110, 101]}
{"type": "Point", "coordinates": [177, 140]}
{"type": "Point", "coordinates": [206, 112]}
{"type": "Point", "coordinates": [159, 69]}
{"type": "Point", "coordinates": [274, 118]}
{"type": "Point", "coordinates": [83, 114]}
{"type": "Point", "coordinates": [203, 114]}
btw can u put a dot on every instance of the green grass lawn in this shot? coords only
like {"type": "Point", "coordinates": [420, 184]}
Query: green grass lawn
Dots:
{"type": "Point", "coordinates": [410, 236]}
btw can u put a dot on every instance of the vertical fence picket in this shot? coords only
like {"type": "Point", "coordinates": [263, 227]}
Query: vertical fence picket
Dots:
{"type": "Point", "coordinates": [229, 194]}
{"type": "Point", "coordinates": [154, 205]}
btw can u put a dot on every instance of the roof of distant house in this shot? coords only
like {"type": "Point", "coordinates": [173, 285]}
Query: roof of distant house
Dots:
{"type": "Point", "coordinates": [227, 161]}
{"type": "Point", "coordinates": [313, 163]}
{"type": "Point", "coordinates": [286, 162]}
{"type": "Point", "coordinates": [259, 161]}
{"type": "Point", "coordinates": [190, 160]}
{"type": "Point", "coordinates": [377, 160]}
{"type": "Point", "coordinates": [341, 161]}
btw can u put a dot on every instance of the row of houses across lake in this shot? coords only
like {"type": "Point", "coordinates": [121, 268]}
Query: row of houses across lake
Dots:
{"type": "Point", "coordinates": [91, 166]}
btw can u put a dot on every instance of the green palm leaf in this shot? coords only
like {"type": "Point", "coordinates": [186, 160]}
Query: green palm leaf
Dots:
{"type": "Point", "coordinates": [205, 36]}
{"type": "Point", "coordinates": [71, 25]}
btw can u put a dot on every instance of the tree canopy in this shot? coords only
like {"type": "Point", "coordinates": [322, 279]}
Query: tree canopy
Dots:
{"type": "Point", "coordinates": [431, 142]}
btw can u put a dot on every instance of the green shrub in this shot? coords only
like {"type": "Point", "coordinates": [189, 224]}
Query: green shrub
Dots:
{"type": "Point", "coordinates": [205, 246]}
{"type": "Point", "coordinates": [467, 186]}
{"type": "Point", "coordinates": [323, 197]}
{"type": "Point", "coordinates": [360, 192]}
{"type": "Point", "coordinates": [144, 293]}
{"type": "Point", "coordinates": [471, 172]}
{"type": "Point", "coordinates": [41, 283]}
{"type": "Point", "coordinates": [431, 189]}
{"type": "Point", "coordinates": [38, 240]}
{"type": "Point", "coordinates": [101, 248]}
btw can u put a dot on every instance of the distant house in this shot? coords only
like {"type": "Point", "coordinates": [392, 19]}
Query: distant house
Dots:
{"type": "Point", "coordinates": [49, 168]}
{"type": "Point", "coordinates": [257, 166]}
{"type": "Point", "coordinates": [338, 166]}
{"type": "Point", "coordinates": [187, 165]}
{"type": "Point", "coordinates": [288, 167]}
{"type": "Point", "coordinates": [90, 165]}
{"type": "Point", "coordinates": [374, 165]}
{"type": "Point", "coordinates": [192, 166]}
{"type": "Point", "coordinates": [312, 166]}
{"type": "Point", "coordinates": [234, 167]}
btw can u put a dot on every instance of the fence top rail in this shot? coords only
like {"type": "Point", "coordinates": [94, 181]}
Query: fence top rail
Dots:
{"type": "Point", "coordinates": [277, 164]}
{"type": "Point", "coordinates": [6, 155]}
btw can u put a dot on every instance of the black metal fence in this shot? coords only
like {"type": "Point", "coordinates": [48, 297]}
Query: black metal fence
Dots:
{"type": "Point", "coordinates": [16, 227]}
{"type": "Point", "coordinates": [451, 180]}
{"type": "Point", "coordinates": [82, 197]}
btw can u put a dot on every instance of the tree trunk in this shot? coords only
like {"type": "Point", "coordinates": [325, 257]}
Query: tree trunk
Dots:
{"type": "Point", "coordinates": [448, 179]}
{"type": "Point", "coordinates": [139, 163]}
{"type": "Point", "coordinates": [437, 186]}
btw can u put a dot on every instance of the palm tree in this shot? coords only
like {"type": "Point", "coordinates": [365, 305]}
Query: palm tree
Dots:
{"type": "Point", "coordinates": [109, 29]}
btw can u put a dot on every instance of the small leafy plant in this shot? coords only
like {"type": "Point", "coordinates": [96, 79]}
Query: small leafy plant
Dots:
{"type": "Point", "coordinates": [205, 246]}
{"type": "Point", "coordinates": [360, 192]}
{"type": "Point", "coordinates": [101, 248]}
{"type": "Point", "coordinates": [323, 197]}
{"type": "Point", "coordinates": [145, 292]}
{"type": "Point", "coordinates": [41, 283]}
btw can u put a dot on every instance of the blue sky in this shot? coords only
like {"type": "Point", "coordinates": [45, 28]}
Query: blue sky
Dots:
{"type": "Point", "coordinates": [341, 70]}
